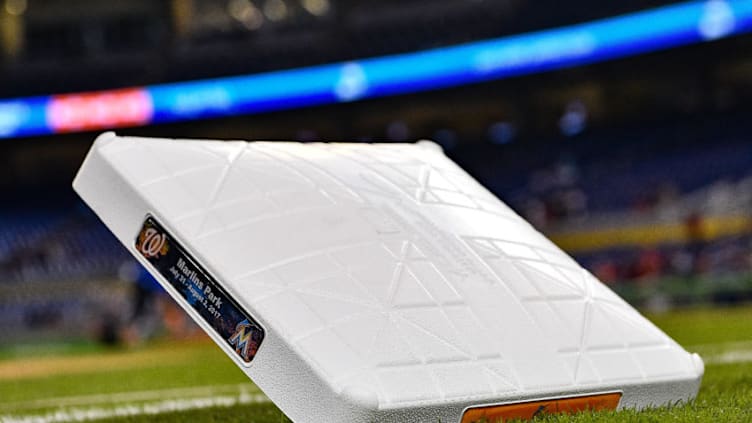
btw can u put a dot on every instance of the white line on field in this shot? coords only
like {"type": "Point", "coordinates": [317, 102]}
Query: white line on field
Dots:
{"type": "Point", "coordinates": [159, 407]}
{"type": "Point", "coordinates": [729, 357]}
{"type": "Point", "coordinates": [132, 396]}
{"type": "Point", "coordinates": [724, 353]}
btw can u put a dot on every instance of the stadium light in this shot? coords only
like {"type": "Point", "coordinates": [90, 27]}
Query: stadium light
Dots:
{"type": "Point", "coordinates": [616, 37]}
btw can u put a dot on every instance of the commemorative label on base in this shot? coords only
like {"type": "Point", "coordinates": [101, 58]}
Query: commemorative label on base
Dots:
{"type": "Point", "coordinates": [200, 290]}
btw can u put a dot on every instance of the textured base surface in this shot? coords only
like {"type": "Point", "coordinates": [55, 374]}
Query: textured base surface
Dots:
{"type": "Point", "coordinates": [390, 284]}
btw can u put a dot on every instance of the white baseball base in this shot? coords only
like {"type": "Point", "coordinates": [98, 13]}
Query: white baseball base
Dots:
{"type": "Point", "coordinates": [376, 282]}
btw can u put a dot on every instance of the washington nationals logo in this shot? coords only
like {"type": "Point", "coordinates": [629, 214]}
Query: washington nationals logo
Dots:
{"type": "Point", "coordinates": [152, 242]}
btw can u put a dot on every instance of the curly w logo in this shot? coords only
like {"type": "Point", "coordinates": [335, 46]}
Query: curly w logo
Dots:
{"type": "Point", "coordinates": [152, 242]}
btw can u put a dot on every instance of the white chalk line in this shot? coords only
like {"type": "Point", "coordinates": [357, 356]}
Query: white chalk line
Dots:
{"type": "Point", "coordinates": [129, 410]}
{"type": "Point", "coordinates": [725, 353]}
{"type": "Point", "coordinates": [729, 357]}
{"type": "Point", "coordinates": [132, 396]}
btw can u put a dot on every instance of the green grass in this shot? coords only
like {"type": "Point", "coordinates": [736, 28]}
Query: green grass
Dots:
{"type": "Point", "coordinates": [153, 368]}
{"type": "Point", "coordinates": [41, 350]}
{"type": "Point", "coordinates": [706, 326]}
{"type": "Point", "coordinates": [726, 395]}
{"type": "Point", "coordinates": [261, 413]}
{"type": "Point", "coordinates": [28, 383]}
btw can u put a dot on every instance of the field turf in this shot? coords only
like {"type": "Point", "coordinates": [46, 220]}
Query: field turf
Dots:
{"type": "Point", "coordinates": [176, 382]}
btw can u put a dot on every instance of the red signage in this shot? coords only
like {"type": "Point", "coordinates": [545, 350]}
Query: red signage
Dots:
{"type": "Point", "coordinates": [99, 110]}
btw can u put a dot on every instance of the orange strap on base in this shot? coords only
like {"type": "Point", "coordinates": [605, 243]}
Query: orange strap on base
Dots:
{"type": "Point", "coordinates": [530, 409]}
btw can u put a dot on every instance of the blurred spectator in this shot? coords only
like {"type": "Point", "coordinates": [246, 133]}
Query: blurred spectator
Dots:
{"type": "Point", "coordinates": [649, 264]}
{"type": "Point", "coordinates": [695, 232]}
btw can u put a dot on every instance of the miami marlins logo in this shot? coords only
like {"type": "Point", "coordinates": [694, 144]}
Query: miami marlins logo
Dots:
{"type": "Point", "coordinates": [242, 340]}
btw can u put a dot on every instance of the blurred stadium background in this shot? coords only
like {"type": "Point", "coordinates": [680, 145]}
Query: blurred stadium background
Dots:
{"type": "Point", "coordinates": [627, 141]}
